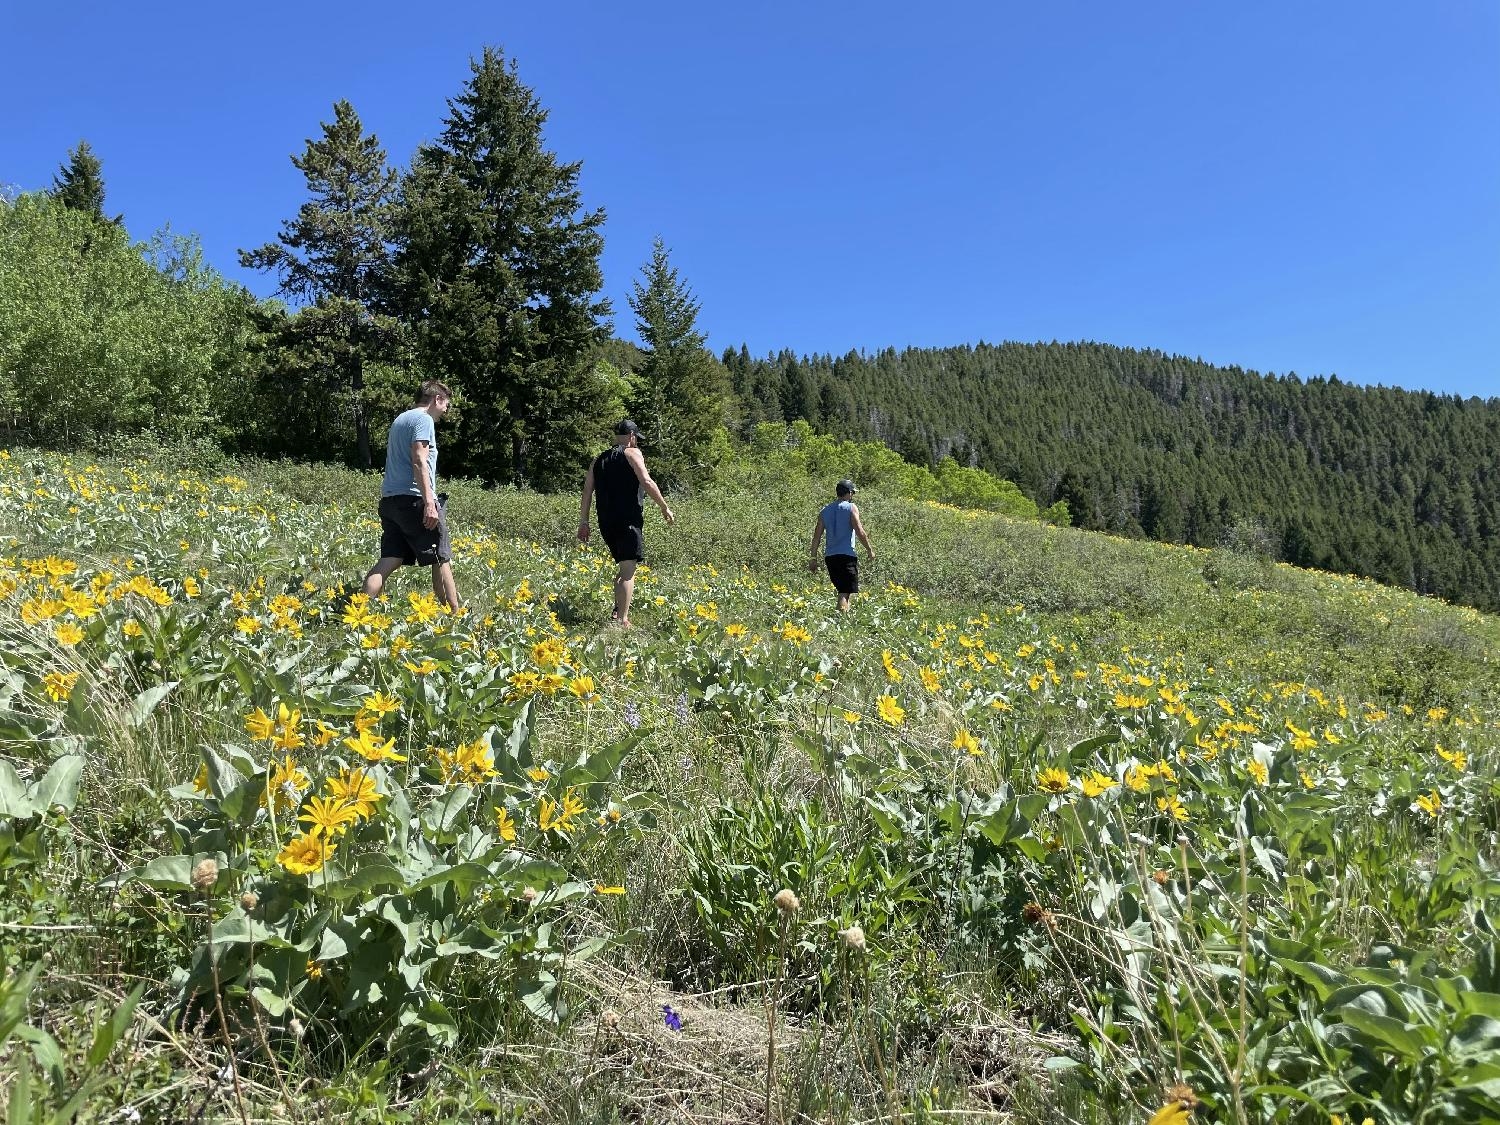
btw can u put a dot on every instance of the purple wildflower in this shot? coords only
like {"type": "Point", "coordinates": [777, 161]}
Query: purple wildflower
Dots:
{"type": "Point", "coordinates": [682, 708]}
{"type": "Point", "coordinates": [671, 1018]}
{"type": "Point", "coordinates": [632, 716]}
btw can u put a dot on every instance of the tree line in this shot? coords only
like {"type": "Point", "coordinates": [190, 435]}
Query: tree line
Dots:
{"type": "Point", "coordinates": [1401, 486]}
{"type": "Point", "coordinates": [478, 264]}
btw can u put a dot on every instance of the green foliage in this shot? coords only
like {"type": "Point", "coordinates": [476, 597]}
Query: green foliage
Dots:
{"type": "Point", "coordinates": [99, 336]}
{"type": "Point", "coordinates": [1381, 482]}
{"type": "Point", "coordinates": [497, 274]}
{"type": "Point", "coordinates": [79, 184]}
{"type": "Point", "coordinates": [679, 394]}
{"type": "Point", "coordinates": [335, 255]}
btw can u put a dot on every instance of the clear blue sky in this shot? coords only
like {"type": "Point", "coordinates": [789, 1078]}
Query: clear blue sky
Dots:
{"type": "Point", "coordinates": [1287, 186]}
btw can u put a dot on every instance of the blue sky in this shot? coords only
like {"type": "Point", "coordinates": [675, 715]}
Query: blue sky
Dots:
{"type": "Point", "coordinates": [1286, 186]}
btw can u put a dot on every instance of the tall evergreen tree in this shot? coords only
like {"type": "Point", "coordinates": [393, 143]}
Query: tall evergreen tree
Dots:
{"type": "Point", "coordinates": [334, 254]}
{"type": "Point", "coordinates": [498, 272]}
{"type": "Point", "coordinates": [79, 184]}
{"type": "Point", "coordinates": [680, 392]}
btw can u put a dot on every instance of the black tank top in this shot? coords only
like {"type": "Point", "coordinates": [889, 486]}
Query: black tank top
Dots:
{"type": "Point", "coordinates": [618, 491]}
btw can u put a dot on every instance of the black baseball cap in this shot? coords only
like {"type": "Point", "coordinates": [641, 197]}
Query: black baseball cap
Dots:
{"type": "Point", "coordinates": [846, 487]}
{"type": "Point", "coordinates": [627, 427]}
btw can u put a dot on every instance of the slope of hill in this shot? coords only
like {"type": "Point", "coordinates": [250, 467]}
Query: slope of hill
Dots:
{"type": "Point", "coordinates": [1397, 485]}
{"type": "Point", "coordinates": [1053, 826]}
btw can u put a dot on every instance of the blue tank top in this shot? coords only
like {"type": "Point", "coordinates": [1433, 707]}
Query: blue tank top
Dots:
{"type": "Point", "coordinates": [839, 526]}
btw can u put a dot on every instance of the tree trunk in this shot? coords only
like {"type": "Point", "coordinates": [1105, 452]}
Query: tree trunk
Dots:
{"type": "Point", "coordinates": [361, 419]}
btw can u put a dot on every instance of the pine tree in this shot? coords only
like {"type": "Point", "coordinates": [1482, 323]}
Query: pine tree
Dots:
{"type": "Point", "coordinates": [334, 255]}
{"type": "Point", "coordinates": [680, 391]}
{"type": "Point", "coordinates": [79, 184]}
{"type": "Point", "coordinates": [498, 272]}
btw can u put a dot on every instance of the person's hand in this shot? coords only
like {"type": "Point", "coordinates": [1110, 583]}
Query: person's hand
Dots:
{"type": "Point", "coordinates": [666, 514]}
{"type": "Point", "coordinates": [583, 531]}
{"type": "Point", "coordinates": [430, 515]}
{"type": "Point", "coordinates": [869, 555]}
{"type": "Point", "coordinates": [812, 565]}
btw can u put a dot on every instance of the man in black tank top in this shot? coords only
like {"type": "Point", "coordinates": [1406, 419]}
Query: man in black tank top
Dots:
{"type": "Point", "coordinates": [621, 480]}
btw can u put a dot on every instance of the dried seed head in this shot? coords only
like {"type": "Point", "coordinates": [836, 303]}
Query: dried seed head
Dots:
{"type": "Point", "coordinates": [787, 902]}
{"type": "Point", "coordinates": [530, 895]}
{"type": "Point", "coordinates": [205, 874]}
{"type": "Point", "coordinates": [610, 1018]}
{"type": "Point", "coordinates": [1034, 914]}
{"type": "Point", "coordinates": [249, 901]}
{"type": "Point", "coordinates": [295, 1026]}
{"type": "Point", "coordinates": [1162, 877]}
{"type": "Point", "coordinates": [854, 937]}
{"type": "Point", "coordinates": [1183, 1094]}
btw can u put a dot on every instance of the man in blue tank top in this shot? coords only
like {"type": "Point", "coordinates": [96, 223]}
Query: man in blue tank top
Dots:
{"type": "Point", "coordinates": [619, 477]}
{"type": "Point", "coordinates": [840, 521]}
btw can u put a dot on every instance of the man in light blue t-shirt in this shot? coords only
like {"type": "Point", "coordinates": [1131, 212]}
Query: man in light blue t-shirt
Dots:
{"type": "Point", "coordinates": [840, 521]}
{"type": "Point", "coordinates": [413, 519]}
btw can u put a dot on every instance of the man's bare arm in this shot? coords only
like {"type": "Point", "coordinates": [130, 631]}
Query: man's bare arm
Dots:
{"type": "Point", "coordinates": [424, 482]}
{"type": "Point", "coordinates": [817, 537]}
{"type": "Point", "coordinates": [583, 511]}
{"type": "Point", "coordinates": [859, 529]}
{"type": "Point", "coordinates": [638, 463]}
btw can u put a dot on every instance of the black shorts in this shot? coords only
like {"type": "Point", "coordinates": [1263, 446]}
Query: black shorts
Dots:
{"type": "Point", "coordinates": [844, 571]}
{"type": "Point", "coordinates": [403, 537]}
{"type": "Point", "coordinates": [626, 544]}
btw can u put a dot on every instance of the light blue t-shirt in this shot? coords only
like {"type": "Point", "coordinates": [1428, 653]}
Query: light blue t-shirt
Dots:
{"type": "Point", "coordinates": [838, 525]}
{"type": "Point", "coordinates": [413, 425]}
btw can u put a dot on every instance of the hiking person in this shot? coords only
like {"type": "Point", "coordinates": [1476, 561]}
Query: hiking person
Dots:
{"type": "Point", "coordinates": [620, 478]}
{"type": "Point", "coordinates": [413, 515]}
{"type": "Point", "coordinates": [840, 520]}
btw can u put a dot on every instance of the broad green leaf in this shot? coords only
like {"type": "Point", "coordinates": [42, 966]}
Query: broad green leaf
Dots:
{"type": "Point", "coordinates": [59, 788]}
{"type": "Point", "coordinates": [15, 800]}
{"type": "Point", "coordinates": [143, 705]}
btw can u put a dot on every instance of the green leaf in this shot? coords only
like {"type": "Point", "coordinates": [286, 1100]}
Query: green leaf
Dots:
{"type": "Point", "coordinates": [15, 800]}
{"type": "Point", "coordinates": [1403, 1039]}
{"type": "Point", "coordinates": [59, 788]}
{"type": "Point", "coordinates": [602, 766]}
{"type": "Point", "coordinates": [275, 1005]}
{"type": "Point", "coordinates": [142, 707]}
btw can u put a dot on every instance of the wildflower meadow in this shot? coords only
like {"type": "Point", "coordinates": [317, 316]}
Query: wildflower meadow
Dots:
{"type": "Point", "coordinates": [1049, 827]}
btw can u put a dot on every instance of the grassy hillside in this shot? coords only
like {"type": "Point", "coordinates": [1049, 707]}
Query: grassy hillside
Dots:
{"type": "Point", "coordinates": [1068, 827]}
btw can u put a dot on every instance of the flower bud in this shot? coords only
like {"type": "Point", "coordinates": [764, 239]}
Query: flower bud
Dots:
{"type": "Point", "coordinates": [205, 874]}
{"type": "Point", "coordinates": [787, 902]}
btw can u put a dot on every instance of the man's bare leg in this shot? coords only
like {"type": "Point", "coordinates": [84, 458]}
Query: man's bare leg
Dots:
{"type": "Point", "coordinates": [843, 603]}
{"type": "Point", "coordinates": [624, 591]}
{"type": "Point", "coordinates": [443, 586]}
{"type": "Point", "coordinates": [375, 580]}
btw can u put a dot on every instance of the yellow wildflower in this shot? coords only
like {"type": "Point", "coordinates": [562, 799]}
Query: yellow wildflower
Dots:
{"type": "Point", "coordinates": [59, 685]}
{"type": "Point", "coordinates": [1096, 784]}
{"type": "Point", "coordinates": [890, 711]}
{"type": "Point", "coordinates": [327, 816]}
{"type": "Point", "coordinates": [963, 740]}
{"type": "Point", "coordinates": [370, 747]}
{"type": "Point", "coordinates": [505, 825]}
{"type": "Point", "coordinates": [356, 789]}
{"type": "Point", "coordinates": [305, 854]}
{"type": "Point", "coordinates": [1053, 780]}
{"type": "Point", "coordinates": [1171, 805]}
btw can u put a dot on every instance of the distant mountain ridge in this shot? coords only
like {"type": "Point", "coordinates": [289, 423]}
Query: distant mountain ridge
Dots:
{"type": "Point", "coordinates": [1401, 486]}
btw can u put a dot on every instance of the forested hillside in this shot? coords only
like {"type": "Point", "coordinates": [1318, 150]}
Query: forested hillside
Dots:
{"type": "Point", "coordinates": [1396, 485]}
